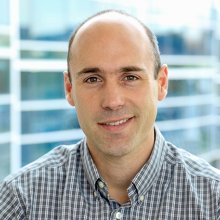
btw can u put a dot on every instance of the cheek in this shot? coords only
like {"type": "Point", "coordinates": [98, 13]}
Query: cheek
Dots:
{"type": "Point", "coordinates": [81, 97]}
{"type": "Point", "coordinates": [85, 105]}
{"type": "Point", "coordinates": [147, 101]}
{"type": "Point", "coordinates": [146, 95]}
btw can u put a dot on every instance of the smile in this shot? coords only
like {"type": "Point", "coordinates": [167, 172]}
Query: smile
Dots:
{"type": "Point", "coordinates": [116, 123]}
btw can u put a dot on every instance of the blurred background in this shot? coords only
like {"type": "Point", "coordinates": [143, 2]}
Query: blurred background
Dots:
{"type": "Point", "coordinates": [34, 115]}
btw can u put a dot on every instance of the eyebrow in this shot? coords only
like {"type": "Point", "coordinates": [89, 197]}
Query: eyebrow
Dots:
{"type": "Point", "coordinates": [131, 69]}
{"type": "Point", "coordinates": [88, 70]}
{"type": "Point", "coordinates": [125, 69]}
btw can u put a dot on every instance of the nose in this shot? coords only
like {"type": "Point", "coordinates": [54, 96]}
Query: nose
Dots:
{"type": "Point", "coordinates": [112, 96]}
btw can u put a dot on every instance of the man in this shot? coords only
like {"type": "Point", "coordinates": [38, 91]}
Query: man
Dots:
{"type": "Point", "coordinates": [124, 168]}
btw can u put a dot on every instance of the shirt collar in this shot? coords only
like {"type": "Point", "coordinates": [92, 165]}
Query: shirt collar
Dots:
{"type": "Point", "coordinates": [150, 171]}
{"type": "Point", "coordinates": [144, 178]}
{"type": "Point", "coordinates": [90, 169]}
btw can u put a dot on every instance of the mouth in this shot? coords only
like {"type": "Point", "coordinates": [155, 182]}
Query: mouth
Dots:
{"type": "Point", "coordinates": [114, 125]}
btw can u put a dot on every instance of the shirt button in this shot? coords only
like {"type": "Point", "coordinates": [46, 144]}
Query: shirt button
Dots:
{"type": "Point", "coordinates": [101, 184]}
{"type": "Point", "coordinates": [95, 194]}
{"type": "Point", "coordinates": [141, 198]}
{"type": "Point", "coordinates": [118, 215]}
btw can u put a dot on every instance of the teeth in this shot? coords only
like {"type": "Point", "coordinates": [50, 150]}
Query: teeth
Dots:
{"type": "Point", "coordinates": [117, 122]}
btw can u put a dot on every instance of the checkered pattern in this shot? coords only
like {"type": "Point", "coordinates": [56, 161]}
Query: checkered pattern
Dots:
{"type": "Point", "coordinates": [65, 184]}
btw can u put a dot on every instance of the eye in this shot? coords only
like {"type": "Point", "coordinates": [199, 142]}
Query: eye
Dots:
{"type": "Point", "coordinates": [92, 79]}
{"type": "Point", "coordinates": [131, 78]}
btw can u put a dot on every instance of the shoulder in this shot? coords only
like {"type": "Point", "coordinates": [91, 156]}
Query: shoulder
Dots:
{"type": "Point", "coordinates": [56, 159]}
{"type": "Point", "coordinates": [35, 182]}
{"type": "Point", "coordinates": [192, 165]}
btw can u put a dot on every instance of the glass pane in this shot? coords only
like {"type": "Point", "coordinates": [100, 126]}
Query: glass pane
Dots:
{"type": "Point", "coordinates": [62, 18]}
{"type": "Point", "coordinates": [4, 41]}
{"type": "Point", "coordinates": [218, 110]}
{"type": "Point", "coordinates": [217, 136]}
{"type": "Point", "coordinates": [26, 54]}
{"type": "Point", "coordinates": [46, 121]}
{"type": "Point", "coordinates": [218, 90]}
{"type": "Point", "coordinates": [189, 34]}
{"type": "Point", "coordinates": [4, 12]}
{"type": "Point", "coordinates": [4, 118]}
{"type": "Point", "coordinates": [33, 151]}
{"type": "Point", "coordinates": [183, 112]}
{"type": "Point", "coordinates": [42, 85]}
{"type": "Point", "coordinates": [176, 42]}
{"type": "Point", "coordinates": [194, 140]}
{"type": "Point", "coordinates": [4, 76]}
{"type": "Point", "coordinates": [190, 87]}
{"type": "Point", "coordinates": [54, 20]}
{"type": "Point", "coordinates": [4, 160]}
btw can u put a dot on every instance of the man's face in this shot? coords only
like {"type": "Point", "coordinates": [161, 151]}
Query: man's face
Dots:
{"type": "Point", "coordinates": [113, 88]}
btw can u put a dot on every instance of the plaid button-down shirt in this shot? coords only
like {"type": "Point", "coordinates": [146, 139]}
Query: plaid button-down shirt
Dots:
{"type": "Point", "coordinates": [65, 184]}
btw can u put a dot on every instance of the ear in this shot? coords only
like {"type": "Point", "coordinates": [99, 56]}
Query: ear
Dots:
{"type": "Point", "coordinates": [68, 88]}
{"type": "Point", "coordinates": [162, 80]}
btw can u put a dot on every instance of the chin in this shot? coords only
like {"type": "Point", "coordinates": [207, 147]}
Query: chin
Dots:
{"type": "Point", "coordinates": [118, 151]}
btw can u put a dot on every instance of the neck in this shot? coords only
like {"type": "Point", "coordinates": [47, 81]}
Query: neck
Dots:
{"type": "Point", "coordinates": [118, 172]}
{"type": "Point", "coordinates": [118, 175]}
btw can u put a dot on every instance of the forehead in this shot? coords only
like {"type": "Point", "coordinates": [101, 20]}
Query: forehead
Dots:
{"type": "Point", "coordinates": [112, 18]}
{"type": "Point", "coordinates": [113, 24]}
{"type": "Point", "coordinates": [108, 35]}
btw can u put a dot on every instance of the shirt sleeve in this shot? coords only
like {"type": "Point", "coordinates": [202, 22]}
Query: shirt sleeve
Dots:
{"type": "Point", "coordinates": [10, 205]}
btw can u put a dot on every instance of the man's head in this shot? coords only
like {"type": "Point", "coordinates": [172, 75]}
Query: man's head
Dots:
{"type": "Point", "coordinates": [149, 34]}
{"type": "Point", "coordinates": [115, 85]}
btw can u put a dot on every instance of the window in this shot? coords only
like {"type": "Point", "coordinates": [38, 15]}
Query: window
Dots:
{"type": "Point", "coordinates": [28, 54]}
{"type": "Point", "coordinates": [4, 12]}
{"type": "Point", "coordinates": [195, 140]}
{"type": "Point", "coordinates": [62, 18]}
{"type": "Point", "coordinates": [42, 85]}
{"type": "Point", "coordinates": [4, 160]}
{"type": "Point", "coordinates": [190, 87]}
{"type": "Point", "coordinates": [4, 40]}
{"type": "Point", "coordinates": [173, 113]}
{"type": "Point", "coordinates": [4, 76]}
{"type": "Point", "coordinates": [181, 42]}
{"type": "Point", "coordinates": [47, 121]}
{"type": "Point", "coordinates": [4, 118]}
{"type": "Point", "coordinates": [33, 151]}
